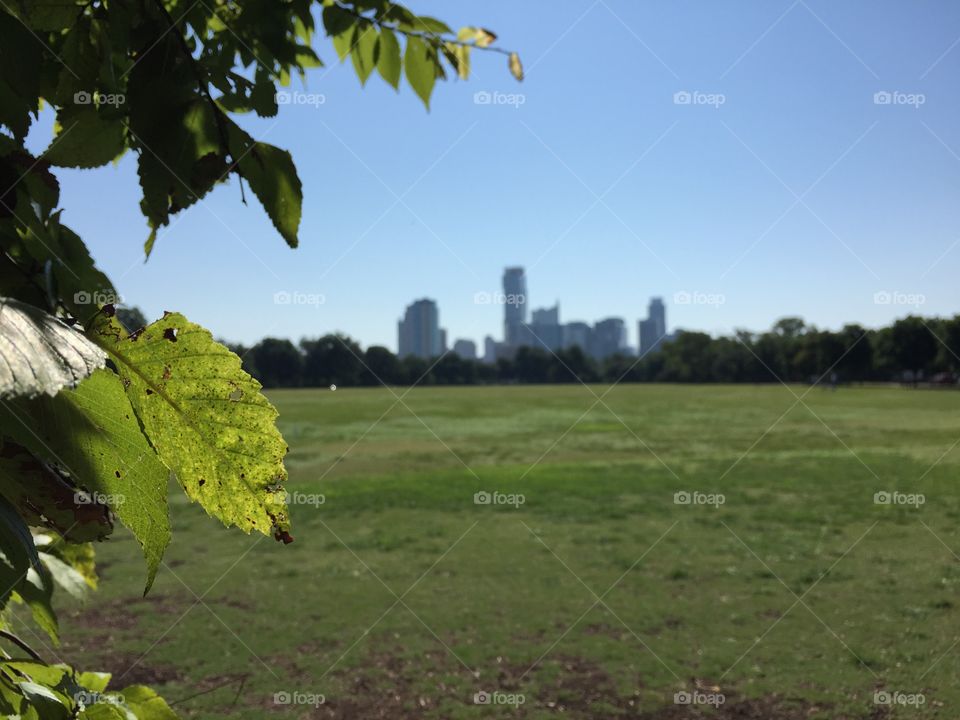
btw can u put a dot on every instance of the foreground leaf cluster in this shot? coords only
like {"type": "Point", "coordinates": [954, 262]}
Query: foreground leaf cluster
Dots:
{"type": "Point", "coordinates": [99, 421]}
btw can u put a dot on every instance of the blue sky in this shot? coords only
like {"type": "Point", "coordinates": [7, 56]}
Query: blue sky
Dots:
{"type": "Point", "coordinates": [782, 188]}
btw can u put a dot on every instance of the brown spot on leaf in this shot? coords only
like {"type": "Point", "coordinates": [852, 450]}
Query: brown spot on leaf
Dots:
{"type": "Point", "coordinates": [170, 334]}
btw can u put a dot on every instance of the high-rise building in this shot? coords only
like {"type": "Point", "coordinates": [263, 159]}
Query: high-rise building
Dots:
{"type": "Point", "coordinates": [545, 330]}
{"type": "Point", "coordinates": [653, 330]}
{"type": "Point", "coordinates": [419, 331]}
{"type": "Point", "coordinates": [514, 306]}
{"type": "Point", "coordinates": [577, 334]}
{"type": "Point", "coordinates": [466, 349]}
{"type": "Point", "coordinates": [489, 350]}
{"type": "Point", "coordinates": [609, 338]}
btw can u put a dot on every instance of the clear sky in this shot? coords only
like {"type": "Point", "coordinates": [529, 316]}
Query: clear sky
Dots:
{"type": "Point", "coordinates": [781, 188]}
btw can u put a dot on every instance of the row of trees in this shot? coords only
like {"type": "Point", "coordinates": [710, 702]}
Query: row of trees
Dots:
{"type": "Point", "coordinates": [912, 349]}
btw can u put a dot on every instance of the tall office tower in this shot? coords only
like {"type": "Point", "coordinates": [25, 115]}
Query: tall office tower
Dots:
{"type": "Point", "coordinates": [653, 330]}
{"type": "Point", "coordinates": [466, 349]}
{"type": "Point", "coordinates": [545, 330]}
{"type": "Point", "coordinates": [577, 334]}
{"type": "Point", "coordinates": [609, 338]}
{"type": "Point", "coordinates": [419, 331]}
{"type": "Point", "coordinates": [514, 307]}
{"type": "Point", "coordinates": [489, 350]}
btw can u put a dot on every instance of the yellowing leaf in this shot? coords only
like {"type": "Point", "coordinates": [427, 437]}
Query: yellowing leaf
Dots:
{"type": "Point", "coordinates": [516, 67]}
{"type": "Point", "coordinates": [207, 419]}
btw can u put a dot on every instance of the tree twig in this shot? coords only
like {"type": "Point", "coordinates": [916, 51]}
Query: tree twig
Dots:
{"type": "Point", "coordinates": [6, 635]}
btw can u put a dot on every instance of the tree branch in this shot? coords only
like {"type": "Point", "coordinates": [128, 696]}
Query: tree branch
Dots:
{"type": "Point", "coordinates": [21, 644]}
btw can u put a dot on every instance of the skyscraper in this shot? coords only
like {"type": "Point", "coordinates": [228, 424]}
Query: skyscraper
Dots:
{"type": "Point", "coordinates": [419, 331]}
{"type": "Point", "coordinates": [577, 334]}
{"type": "Point", "coordinates": [654, 328]}
{"type": "Point", "coordinates": [514, 306]}
{"type": "Point", "coordinates": [609, 338]}
{"type": "Point", "coordinates": [545, 330]}
{"type": "Point", "coordinates": [466, 349]}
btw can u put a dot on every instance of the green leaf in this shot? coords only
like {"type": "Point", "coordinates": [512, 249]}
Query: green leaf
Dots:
{"type": "Point", "coordinates": [273, 178]}
{"type": "Point", "coordinates": [389, 63]}
{"type": "Point", "coordinates": [50, 14]}
{"type": "Point", "coordinates": [85, 138]}
{"type": "Point", "coordinates": [207, 420]}
{"type": "Point", "coordinates": [146, 704]}
{"type": "Point", "coordinates": [364, 52]}
{"type": "Point", "coordinates": [44, 498]}
{"type": "Point", "coordinates": [36, 590]}
{"type": "Point", "coordinates": [39, 353]}
{"type": "Point", "coordinates": [420, 66]}
{"type": "Point", "coordinates": [17, 551]}
{"type": "Point", "coordinates": [93, 434]}
{"type": "Point", "coordinates": [432, 25]}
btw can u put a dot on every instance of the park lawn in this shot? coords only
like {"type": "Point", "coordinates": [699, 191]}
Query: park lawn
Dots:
{"type": "Point", "coordinates": [799, 596]}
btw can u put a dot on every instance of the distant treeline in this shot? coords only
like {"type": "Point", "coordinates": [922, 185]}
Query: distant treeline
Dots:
{"type": "Point", "coordinates": [912, 349]}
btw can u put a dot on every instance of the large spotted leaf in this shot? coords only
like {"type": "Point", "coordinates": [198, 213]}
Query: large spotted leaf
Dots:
{"type": "Point", "coordinates": [206, 418]}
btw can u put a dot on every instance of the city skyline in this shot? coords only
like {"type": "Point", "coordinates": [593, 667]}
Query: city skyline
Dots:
{"type": "Point", "coordinates": [419, 332]}
{"type": "Point", "coordinates": [792, 197]}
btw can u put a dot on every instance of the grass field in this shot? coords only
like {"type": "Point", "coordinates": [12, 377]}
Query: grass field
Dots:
{"type": "Point", "coordinates": [599, 596]}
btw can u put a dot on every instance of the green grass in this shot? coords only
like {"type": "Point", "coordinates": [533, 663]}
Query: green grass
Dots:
{"type": "Point", "coordinates": [502, 598]}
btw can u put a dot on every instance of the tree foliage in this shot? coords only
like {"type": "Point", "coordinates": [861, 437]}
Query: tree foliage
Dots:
{"type": "Point", "coordinates": [99, 410]}
{"type": "Point", "coordinates": [911, 349]}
